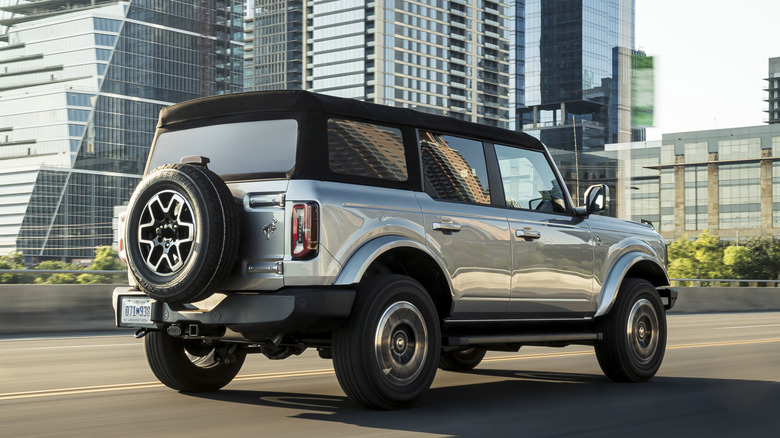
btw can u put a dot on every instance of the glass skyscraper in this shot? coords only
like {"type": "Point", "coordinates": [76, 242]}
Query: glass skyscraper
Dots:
{"type": "Point", "coordinates": [274, 31]}
{"type": "Point", "coordinates": [576, 72]}
{"type": "Point", "coordinates": [438, 56]}
{"type": "Point", "coordinates": [81, 85]}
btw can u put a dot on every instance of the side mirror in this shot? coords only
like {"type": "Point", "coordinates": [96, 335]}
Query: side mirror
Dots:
{"type": "Point", "coordinates": [597, 199]}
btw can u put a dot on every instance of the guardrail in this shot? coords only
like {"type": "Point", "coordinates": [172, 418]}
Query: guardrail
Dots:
{"type": "Point", "coordinates": [704, 282]}
{"type": "Point", "coordinates": [724, 282]}
{"type": "Point", "coordinates": [60, 271]}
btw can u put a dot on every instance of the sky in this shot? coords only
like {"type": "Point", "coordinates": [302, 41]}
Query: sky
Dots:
{"type": "Point", "coordinates": [711, 59]}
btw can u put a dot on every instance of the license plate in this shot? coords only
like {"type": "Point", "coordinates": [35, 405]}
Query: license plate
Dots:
{"type": "Point", "coordinates": [136, 310]}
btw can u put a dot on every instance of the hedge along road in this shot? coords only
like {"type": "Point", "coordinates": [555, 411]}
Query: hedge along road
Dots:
{"type": "Point", "coordinates": [720, 378]}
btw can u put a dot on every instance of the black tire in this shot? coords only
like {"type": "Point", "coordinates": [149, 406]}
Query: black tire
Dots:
{"type": "Point", "coordinates": [386, 353]}
{"type": "Point", "coordinates": [190, 365]}
{"type": "Point", "coordinates": [634, 341]}
{"type": "Point", "coordinates": [182, 233]}
{"type": "Point", "coordinates": [465, 360]}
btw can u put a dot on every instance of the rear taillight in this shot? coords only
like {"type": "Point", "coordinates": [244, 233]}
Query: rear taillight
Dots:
{"type": "Point", "coordinates": [304, 231]}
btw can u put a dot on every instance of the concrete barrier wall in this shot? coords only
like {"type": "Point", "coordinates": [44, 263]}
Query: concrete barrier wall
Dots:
{"type": "Point", "coordinates": [726, 299]}
{"type": "Point", "coordinates": [72, 308]}
{"type": "Point", "coordinates": [55, 308]}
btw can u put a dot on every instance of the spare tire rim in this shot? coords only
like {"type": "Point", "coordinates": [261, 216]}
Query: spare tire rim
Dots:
{"type": "Point", "coordinates": [166, 232]}
{"type": "Point", "coordinates": [401, 343]}
{"type": "Point", "coordinates": [643, 331]}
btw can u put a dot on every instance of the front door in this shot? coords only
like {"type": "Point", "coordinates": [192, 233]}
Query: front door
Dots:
{"type": "Point", "coordinates": [552, 253]}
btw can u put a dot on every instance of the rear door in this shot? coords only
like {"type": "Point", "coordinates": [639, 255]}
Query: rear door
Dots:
{"type": "Point", "coordinates": [552, 254]}
{"type": "Point", "coordinates": [470, 234]}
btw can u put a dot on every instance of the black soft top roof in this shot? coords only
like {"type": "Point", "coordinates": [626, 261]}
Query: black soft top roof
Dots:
{"type": "Point", "coordinates": [242, 104]}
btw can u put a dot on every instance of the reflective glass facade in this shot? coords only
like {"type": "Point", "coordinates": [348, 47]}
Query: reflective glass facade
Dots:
{"type": "Point", "coordinates": [739, 196]}
{"type": "Point", "coordinates": [274, 31]}
{"type": "Point", "coordinates": [696, 209]}
{"type": "Point", "coordinates": [724, 181]}
{"type": "Point", "coordinates": [81, 91]}
{"type": "Point", "coordinates": [776, 195]}
{"type": "Point", "coordinates": [437, 56]}
{"type": "Point", "coordinates": [577, 58]}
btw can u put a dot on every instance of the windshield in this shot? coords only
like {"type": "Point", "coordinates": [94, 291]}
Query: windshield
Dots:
{"type": "Point", "coordinates": [266, 146]}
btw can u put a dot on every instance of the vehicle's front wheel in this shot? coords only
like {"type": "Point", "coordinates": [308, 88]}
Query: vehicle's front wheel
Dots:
{"type": "Point", "coordinates": [465, 360]}
{"type": "Point", "coordinates": [191, 365]}
{"type": "Point", "coordinates": [634, 334]}
{"type": "Point", "coordinates": [385, 355]}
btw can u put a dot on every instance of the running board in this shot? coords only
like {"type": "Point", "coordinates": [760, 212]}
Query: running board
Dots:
{"type": "Point", "coordinates": [452, 341]}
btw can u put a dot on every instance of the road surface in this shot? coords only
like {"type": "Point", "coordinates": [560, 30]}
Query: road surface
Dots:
{"type": "Point", "coordinates": [720, 377]}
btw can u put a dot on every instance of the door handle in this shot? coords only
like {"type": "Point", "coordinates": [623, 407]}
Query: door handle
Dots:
{"type": "Point", "coordinates": [446, 226]}
{"type": "Point", "coordinates": [528, 233]}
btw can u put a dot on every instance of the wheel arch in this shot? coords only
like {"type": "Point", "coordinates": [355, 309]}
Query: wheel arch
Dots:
{"type": "Point", "coordinates": [400, 255]}
{"type": "Point", "coordinates": [633, 264]}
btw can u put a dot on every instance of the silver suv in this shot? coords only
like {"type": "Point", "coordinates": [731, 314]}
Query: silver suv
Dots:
{"type": "Point", "coordinates": [392, 241]}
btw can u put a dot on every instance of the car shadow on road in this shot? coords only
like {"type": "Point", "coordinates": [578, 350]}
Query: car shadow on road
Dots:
{"type": "Point", "coordinates": [532, 403]}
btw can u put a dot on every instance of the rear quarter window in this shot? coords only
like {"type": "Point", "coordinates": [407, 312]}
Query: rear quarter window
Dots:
{"type": "Point", "coordinates": [366, 150]}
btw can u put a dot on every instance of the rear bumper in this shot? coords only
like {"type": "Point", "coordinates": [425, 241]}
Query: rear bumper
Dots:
{"type": "Point", "coordinates": [288, 311]}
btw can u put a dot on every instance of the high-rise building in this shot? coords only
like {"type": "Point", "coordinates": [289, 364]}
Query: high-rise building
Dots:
{"type": "Point", "coordinates": [81, 84]}
{"type": "Point", "coordinates": [274, 31]}
{"type": "Point", "coordinates": [437, 56]}
{"type": "Point", "coordinates": [576, 72]}
{"type": "Point", "coordinates": [773, 91]}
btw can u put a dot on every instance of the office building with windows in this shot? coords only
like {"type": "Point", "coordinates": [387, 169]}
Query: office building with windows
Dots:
{"type": "Point", "coordinates": [81, 85]}
{"type": "Point", "coordinates": [574, 68]}
{"type": "Point", "coordinates": [273, 53]}
{"type": "Point", "coordinates": [441, 57]}
{"type": "Point", "coordinates": [725, 181]}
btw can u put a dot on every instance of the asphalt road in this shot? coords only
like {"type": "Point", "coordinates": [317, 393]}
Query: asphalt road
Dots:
{"type": "Point", "coordinates": [721, 377]}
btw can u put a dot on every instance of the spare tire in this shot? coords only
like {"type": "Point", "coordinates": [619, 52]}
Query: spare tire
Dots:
{"type": "Point", "coordinates": [181, 233]}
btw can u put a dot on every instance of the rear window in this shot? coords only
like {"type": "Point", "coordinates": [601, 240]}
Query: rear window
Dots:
{"type": "Point", "coordinates": [367, 150]}
{"type": "Point", "coordinates": [267, 146]}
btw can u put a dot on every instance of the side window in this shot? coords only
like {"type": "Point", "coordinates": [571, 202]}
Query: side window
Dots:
{"type": "Point", "coordinates": [529, 181]}
{"type": "Point", "coordinates": [364, 149]}
{"type": "Point", "coordinates": [454, 168]}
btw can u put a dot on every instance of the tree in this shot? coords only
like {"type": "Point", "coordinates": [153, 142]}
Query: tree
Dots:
{"type": "Point", "coordinates": [55, 278]}
{"type": "Point", "coordinates": [761, 262]}
{"type": "Point", "coordinates": [106, 259]}
{"type": "Point", "coordinates": [15, 260]}
{"type": "Point", "coordinates": [701, 258]}
{"type": "Point", "coordinates": [709, 254]}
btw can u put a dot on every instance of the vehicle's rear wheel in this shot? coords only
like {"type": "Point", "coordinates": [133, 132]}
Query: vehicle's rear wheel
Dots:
{"type": "Point", "coordinates": [191, 365]}
{"type": "Point", "coordinates": [465, 360]}
{"type": "Point", "coordinates": [385, 355]}
{"type": "Point", "coordinates": [634, 334]}
{"type": "Point", "coordinates": [182, 233]}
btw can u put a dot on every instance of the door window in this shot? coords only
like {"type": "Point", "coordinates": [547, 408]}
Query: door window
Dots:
{"type": "Point", "coordinates": [529, 181]}
{"type": "Point", "coordinates": [454, 168]}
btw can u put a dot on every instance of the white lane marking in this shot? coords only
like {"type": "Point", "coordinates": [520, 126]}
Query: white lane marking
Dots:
{"type": "Point", "coordinates": [747, 326]}
{"type": "Point", "coordinates": [144, 385]}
